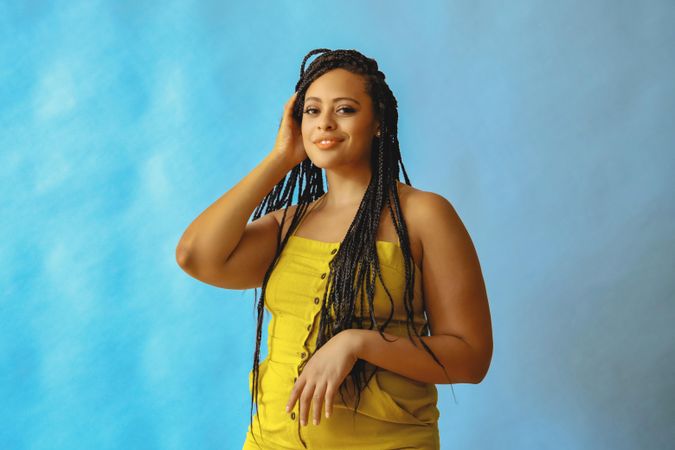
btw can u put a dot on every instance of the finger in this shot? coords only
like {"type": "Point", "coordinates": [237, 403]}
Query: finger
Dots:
{"type": "Point", "coordinates": [288, 109]}
{"type": "Point", "coordinates": [330, 393]}
{"type": "Point", "coordinates": [290, 101]}
{"type": "Point", "coordinates": [305, 399]}
{"type": "Point", "coordinates": [297, 388]}
{"type": "Point", "coordinates": [317, 398]}
{"type": "Point", "coordinates": [287, 112]}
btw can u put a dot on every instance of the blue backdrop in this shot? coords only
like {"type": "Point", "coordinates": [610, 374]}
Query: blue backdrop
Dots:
{"type": "Point", "coordinates": [548, 125]}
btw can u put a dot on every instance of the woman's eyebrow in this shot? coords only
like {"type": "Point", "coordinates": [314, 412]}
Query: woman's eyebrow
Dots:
{"type": "Point", "coordinates": [335, 99]}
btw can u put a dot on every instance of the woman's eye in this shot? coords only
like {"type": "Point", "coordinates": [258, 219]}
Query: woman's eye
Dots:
{"type": "Point", "coordinates": [347, 109]}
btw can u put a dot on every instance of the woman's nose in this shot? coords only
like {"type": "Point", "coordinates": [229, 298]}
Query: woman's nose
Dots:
{"type": "Point", "coordinates": [326, 121]}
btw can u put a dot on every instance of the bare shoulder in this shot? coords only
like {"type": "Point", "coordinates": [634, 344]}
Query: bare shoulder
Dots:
{"type": "Point", "coordinates": [431, 216]}
{"type": "Point", "coordinates": [279, 214]}
{"type": "Point", "coordinates": [419, 206]}
{"type": "Point", "coordinates": [290, 212]}
{"type": "Point", "coordinates": [424, 205]}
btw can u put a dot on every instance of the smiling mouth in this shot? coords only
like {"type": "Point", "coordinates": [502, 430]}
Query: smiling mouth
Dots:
{"type": "Point", "coordinates": [327, 143]}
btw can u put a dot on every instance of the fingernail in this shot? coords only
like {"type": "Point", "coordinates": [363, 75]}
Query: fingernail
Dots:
{"type": "Point", "coordinates": [327, 415]}
{"type": "Point", "coordinates": [287, 408]}
{"type": "Point", "coordinates": [315, 422]}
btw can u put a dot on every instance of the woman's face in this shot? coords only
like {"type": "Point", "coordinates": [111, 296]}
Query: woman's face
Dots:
{"type": "Point", "coordinates": [338, 106]}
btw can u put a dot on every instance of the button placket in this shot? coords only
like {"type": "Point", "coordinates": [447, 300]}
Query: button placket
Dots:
{"type": "Point", "coordinates": [317, 301]}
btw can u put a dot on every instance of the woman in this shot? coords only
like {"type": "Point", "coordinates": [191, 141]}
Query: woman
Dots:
{"type": "Point", "coordinates": [369, 254]}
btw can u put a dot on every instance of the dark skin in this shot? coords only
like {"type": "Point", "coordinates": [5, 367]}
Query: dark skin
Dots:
{"type": "Point", "coordinates": [454, 291]}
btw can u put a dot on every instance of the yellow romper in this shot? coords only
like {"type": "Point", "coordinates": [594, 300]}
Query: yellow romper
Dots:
{"type": "Point", "coordinates": [394, 412]}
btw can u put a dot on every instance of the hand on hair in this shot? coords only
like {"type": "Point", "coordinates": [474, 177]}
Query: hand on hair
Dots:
{"type": "Point", "coordinates": [289, 144]}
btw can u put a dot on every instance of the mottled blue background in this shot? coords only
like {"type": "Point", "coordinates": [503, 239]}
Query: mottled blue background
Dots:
{"type": "Point", "coordinates": [548, 125]}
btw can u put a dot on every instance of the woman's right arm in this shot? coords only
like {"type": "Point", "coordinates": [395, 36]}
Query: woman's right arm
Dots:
{"type": "Point", "coordinates": [219, 247]}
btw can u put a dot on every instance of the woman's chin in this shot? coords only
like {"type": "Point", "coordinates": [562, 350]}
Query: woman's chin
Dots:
{"type": "Point", "coordinates": [324, 161]}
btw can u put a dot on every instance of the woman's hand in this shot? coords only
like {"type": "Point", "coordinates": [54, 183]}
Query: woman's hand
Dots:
{"type": "Point", "coordinates": [289, 145]}
{"type": "Point", "coordinates": [322, 375]}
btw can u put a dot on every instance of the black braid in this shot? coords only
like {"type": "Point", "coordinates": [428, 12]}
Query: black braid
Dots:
{"type": "Point", "coordinates": [356, 263]}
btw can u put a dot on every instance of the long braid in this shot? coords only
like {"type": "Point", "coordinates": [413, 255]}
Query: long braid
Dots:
{"type": "Point", "coordinates": [353, 270]}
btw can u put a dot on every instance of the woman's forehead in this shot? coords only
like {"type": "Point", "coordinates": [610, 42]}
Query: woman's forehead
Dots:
{"type": "Point", "coordinates": [336, 83]}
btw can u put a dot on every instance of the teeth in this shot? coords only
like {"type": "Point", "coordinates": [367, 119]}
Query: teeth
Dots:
{"type": "Point", "coordinates": [327, 142]}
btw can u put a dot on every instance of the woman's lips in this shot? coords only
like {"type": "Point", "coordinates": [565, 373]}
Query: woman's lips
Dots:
{"type": "Point", "coordinates": [324, 145]}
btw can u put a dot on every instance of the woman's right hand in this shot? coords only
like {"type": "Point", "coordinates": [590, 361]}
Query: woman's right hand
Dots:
{"type": "Point", "coordinates": [289, 145]}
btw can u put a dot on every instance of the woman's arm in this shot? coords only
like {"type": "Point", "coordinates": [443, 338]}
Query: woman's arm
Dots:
{"type": "Point", "coordinates": [219, 246]}
{"type": "Point", "coordinates": [455, 301]}
{"type": "Point", "coordinates": [211, 238]}
{"type": "Point", "coordinates": [403, 358]}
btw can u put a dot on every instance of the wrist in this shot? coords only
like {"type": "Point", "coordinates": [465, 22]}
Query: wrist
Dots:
{"type": "Point", "coordinates": [354, 342]}
{"type": "Point", "coordinates": [279, 161]}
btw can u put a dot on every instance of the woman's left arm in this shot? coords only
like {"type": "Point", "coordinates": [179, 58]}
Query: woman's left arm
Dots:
{"type": "Point", "coordinates": [455, 300]}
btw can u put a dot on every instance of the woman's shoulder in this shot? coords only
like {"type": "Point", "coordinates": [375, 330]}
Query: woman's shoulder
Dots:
{"type": "Point", "coordinates": [426, 213]}
{"type": "Point", "coordinates": [420, 204]}
{"type": "Point", "coordinates": [290, 211]}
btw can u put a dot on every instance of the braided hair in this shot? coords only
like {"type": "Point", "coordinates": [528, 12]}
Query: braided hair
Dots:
{"type": "Point", "coordinates": [356, 263]}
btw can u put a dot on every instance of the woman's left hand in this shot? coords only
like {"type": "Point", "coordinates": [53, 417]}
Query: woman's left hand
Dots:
{"type": "Point", "coordinates": [322, 375]}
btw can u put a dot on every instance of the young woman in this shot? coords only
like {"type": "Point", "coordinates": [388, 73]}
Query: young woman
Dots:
{"type": "Point", "coordinates": [374, 287]}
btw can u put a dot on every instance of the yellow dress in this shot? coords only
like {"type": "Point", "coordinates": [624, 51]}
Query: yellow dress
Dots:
{"type": "Point", "coordinates": [394, 412]}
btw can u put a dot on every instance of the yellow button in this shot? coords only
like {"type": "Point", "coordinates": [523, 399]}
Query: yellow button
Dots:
{"type": "Point", "coordinates": [316, 300]}
{"type": "Point", "coordinates": [323, 275]}
{"type": "Point", "coordinates": [293, 415]}
{"type": "Point", "coordinates": [334, 251]}
{"type": "Point", "coordinates": [302, 355]}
